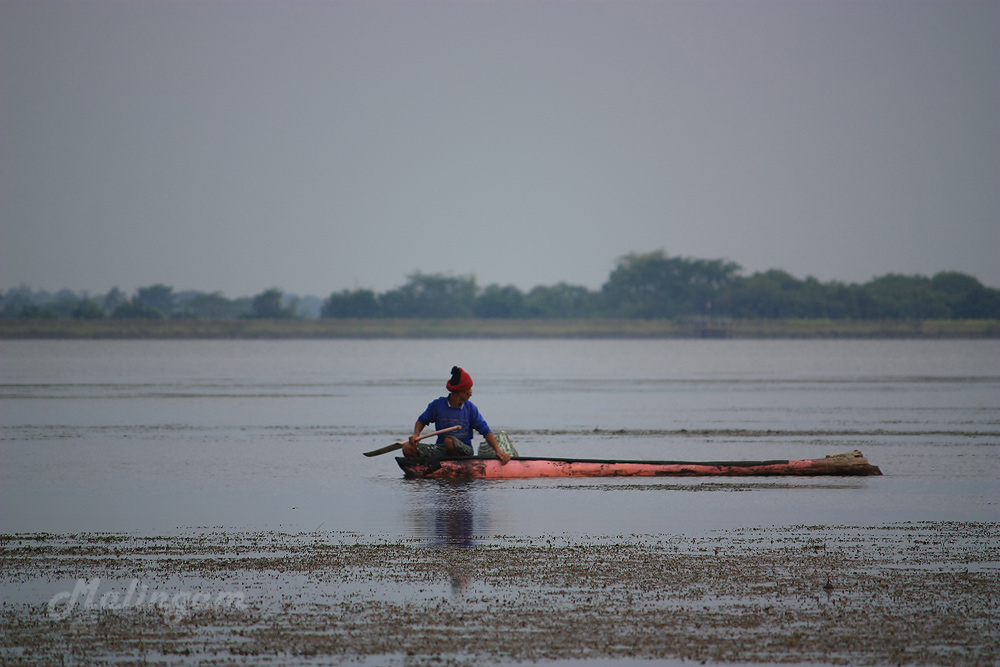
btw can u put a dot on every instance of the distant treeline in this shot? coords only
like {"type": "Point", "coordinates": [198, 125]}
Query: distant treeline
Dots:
{"type": "Point", "coordinates": [641, 286]}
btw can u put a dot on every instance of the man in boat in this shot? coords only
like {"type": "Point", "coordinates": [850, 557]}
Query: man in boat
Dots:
{"type": "Point", "coordinates": [453, 409]}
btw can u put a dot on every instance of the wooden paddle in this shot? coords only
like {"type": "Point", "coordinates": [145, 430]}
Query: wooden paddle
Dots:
{"type": "Point", "coordinates": [399, 445]}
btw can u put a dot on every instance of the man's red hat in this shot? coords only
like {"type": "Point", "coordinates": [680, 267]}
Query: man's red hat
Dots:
{"type": "Point", "coordinates": [460, 380]}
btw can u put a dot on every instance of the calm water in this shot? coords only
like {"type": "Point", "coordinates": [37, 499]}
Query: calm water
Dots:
{"type": "Point", "coordinates": [165, 436]}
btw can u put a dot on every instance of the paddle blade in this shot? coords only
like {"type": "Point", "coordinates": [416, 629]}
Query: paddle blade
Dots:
{"type": "Point", "coordinates": [385, 450]}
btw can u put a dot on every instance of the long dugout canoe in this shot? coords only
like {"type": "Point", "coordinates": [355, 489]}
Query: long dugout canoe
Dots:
{"type": "Point", "coordinates": [847, 463]}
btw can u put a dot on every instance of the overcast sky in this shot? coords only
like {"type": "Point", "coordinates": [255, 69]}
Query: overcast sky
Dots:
{"type": "Point", "coordinates": [318, 146]}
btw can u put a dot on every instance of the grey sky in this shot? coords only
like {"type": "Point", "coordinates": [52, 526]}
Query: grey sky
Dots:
{"type": "Point", "coordinates": [317, 146]}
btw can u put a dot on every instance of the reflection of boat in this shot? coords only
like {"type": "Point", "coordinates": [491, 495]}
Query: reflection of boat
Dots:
{"type": "Point", "coordinates": [848, 463]}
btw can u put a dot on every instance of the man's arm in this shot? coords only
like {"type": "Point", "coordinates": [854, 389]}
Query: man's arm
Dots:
{"type": "Point", "coordinates": [501, 454]}
{"type": "Point", "coordinates": [415, 438]}
{"type": "Point", "coordinates": [410, 448]}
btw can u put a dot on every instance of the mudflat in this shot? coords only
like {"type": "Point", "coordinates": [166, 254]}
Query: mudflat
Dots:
{"type": "Point", "coordinates": [905, 593]}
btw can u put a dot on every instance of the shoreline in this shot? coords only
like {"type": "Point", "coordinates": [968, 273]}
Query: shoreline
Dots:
{"type": "Point", "coordinates": [908, 593]}
{"type": "Point", "coordinates": [497, 329]}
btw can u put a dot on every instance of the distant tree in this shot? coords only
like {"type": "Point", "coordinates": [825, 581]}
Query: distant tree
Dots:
{"type": "Point", "coordinates": [291, 303]}
{"type": "Point", "coordinates": [15, 300]}
{"type": "Point", "coordinates": [356, 303]}
{"type": "Point", "coordinates": [563, 301]}
{"type": "Point", "coordinates": [655, 285]}
{"type": "Point", "coordinates": [308, 306]}
{"type": "Point", "coordinates": [63, 303]}
{"type": "Point", "coordinates": [966, 297]}
{"type": "Point", "coordinates": [769, 294]}
{"type": "Point", "coordinates": [114, 298]}
{"type": "Point", "coordinates": [213, 306]}
{"type": "Point", "coordinates": [811, 298]}
{"type": "Point", "coordinates": [268, 305]}
{"type": "Point", "coordinates": [33, 312]}
{"type": "Point", "coordinates": [433, 295]}
{"type": "Point", "coordinates": [137, 310]}
{"type": "Point", "coordinates": [841, 301]}
{"type": "Point", "coordinates": [159, 297]}
{"type": "Point", "coordinates": [496, 301]}
{"type": "Point", "coordinates": [894, 296]}
{"type": "Point", "coordinates": [88, 309]}
{"type": "Point", "coordinates": [650, 285]}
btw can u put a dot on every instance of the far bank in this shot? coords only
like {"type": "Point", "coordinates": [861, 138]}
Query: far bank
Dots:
{"type": "Point", "coordinates": [494, 328]}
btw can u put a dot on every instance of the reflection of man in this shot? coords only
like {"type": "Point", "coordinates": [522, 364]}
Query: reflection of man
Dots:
{"type": "Point", "coordinates": [455, 409]}
{"type": "Point", "coordinates": [454, 521]}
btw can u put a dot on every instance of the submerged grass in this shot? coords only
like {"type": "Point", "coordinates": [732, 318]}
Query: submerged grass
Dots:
{"type": "Point", "coordinates": [495, 328]}
{"type": "Point", "coordinates": [901, 594]}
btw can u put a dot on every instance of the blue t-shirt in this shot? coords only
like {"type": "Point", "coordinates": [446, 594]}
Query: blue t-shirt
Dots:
{"type": "Point", "coordinates": [442, 415]}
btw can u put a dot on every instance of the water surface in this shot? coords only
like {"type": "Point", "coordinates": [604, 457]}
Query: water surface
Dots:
{"type": "Point", "coordinates": [168, 436]}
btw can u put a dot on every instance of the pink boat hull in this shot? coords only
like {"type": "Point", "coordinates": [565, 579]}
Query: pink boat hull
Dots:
{"type": "Point", "coordinates": [849, 463]}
